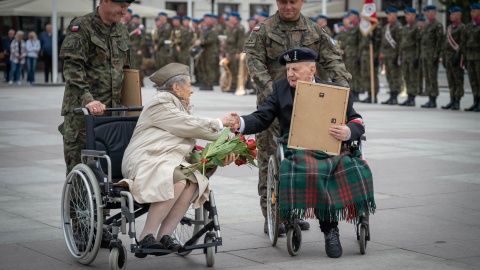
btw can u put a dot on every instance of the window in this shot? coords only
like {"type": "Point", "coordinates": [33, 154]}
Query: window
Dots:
{"type": "Point", "coordinates": [180, 7]}
{"type": "Point", "coordinates": [399, 4]}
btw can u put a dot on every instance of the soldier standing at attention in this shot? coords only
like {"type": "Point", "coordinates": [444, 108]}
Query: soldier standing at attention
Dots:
{"type": "Point", "coordinates": [322, 22]}
{"type": "Point", "coordinates": [431, 47]}
{"type": "Point", "coordinates": [162, 50]}
{"type": "Point", "coordinates": [209, 56]}
{"type": "Point", "coordinates": [351, 53]}
{"type": "Point", "coordinates": [287, 29]}
{"type": "Point", "coordinates": [390, 50]}
{"type": "Point", "coordinates": [181, 42]}
{"type": "Point", "coordinates": [452, 57]}
{"type": "Point", "coordinates": [409, 55]}
{"type": "Point", "coordinates": [421, 23]}
{"type": "Point", "coordinates": [235, 40]}
{"type": "Point", "coordinates": [472, 55]}
{"type": "Point", "coordinates": [137, 37]}
{"type": "Point", "coordinates": [364, 59]}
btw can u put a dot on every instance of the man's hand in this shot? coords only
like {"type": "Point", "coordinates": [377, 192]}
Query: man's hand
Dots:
{"type": "Point", "coordinates": [232, 121]}
{"type": "Point", "coordinates": [340, 132]}
{"type": "Point", "coordinates": [95, 107]}
{"type": "Point", "coordinates": [198, 42]}
{"type": "Point", "coordinates": [229, 159]}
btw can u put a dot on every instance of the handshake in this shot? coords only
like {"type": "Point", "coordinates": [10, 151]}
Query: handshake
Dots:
{"type": "Point", "coordinates": [232, 121]}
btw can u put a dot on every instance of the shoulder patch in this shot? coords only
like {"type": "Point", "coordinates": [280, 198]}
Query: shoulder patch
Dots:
{"type": "Point", "coordinates": [75, 28]}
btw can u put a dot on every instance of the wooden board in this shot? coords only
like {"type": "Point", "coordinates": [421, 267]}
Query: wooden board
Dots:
{"type": "Point", "coordinates": [317, 107]}
{"type": "Point", "coordinates": [132, 90]}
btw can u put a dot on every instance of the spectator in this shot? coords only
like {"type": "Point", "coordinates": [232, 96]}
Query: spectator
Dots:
{"type": "Point", "coordinates": [46, 42]}
{"type": "Point", "coordinates": [18, 51]}
{"type": "Point", "coordinates": [33, 49]}
{"type": "Point", "coordinates": [6, 53]}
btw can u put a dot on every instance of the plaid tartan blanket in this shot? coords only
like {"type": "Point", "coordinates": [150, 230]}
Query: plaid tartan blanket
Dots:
{"type": "Point", "coordinates": [332, 188]}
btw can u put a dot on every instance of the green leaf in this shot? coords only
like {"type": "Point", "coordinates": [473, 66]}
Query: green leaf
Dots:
{"type": "Point", "coordinates": [251, 161]}
{"type": "Point", "coordinates": [239, 148]}
{"type": "Point", "coordinates": [205, 150]}
{"type": "Point", "coordinates": [217, 162]}
{"type": "Point", "coordinates": [222, 138]}
{"type": "Point", "coordinates": [195, 157]}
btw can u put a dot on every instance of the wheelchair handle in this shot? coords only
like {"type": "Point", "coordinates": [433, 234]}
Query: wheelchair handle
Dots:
{"type": "Point", "coordinates": [85, 111]}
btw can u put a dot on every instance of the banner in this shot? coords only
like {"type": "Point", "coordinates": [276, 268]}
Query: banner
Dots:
{"type": "Point", "coordinates": [368, 17]}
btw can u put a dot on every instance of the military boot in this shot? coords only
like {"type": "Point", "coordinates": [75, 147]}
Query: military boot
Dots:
{"type": "Point", "coordinates": [456, 104]}
{"type": "Point", "coordinates": [386, 102]}
{"type": "Point", "coordinates": [450, 104]}
{"type": "Point", "coordinates": [477, 109]}
{"type": "Point", "coordinates": [475, 105]}
{"type": "Point", "coordinates": [394, 100]}
{"type": "Point", "coordinates": [432, 103]}
{"type": "Point", "coordinates": [369, 99]}
{"type": "Point", "coordinates": [409, 102]}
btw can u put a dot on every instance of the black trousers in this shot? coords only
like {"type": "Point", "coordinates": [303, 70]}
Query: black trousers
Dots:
{"type": "Point", "coordinates": [326, 226]}
{"type": "Point", "coordinates": [47, 60]}
{"type": "Point", "coordinates": [8, 66]}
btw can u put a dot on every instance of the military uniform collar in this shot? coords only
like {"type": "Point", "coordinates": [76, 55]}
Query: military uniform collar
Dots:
{"type": "Point", "coordinates": [300, 24]}
{"type": "Point", "coordinates": [101, 26]}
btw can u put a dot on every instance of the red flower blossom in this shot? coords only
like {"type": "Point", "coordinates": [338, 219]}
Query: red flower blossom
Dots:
{"type": "Point", "coordinates": [198, 148]}
{"type": "Point", "coordinates": [203, 160]}
{"type": "Point", "coordinates": [253, 153]}
{"type": "Point", "coordinates": [251, 144]}
{"type": "Point", "coordinates": [240, 162]}
{"type": "Point", "coordinates": [242, 138]}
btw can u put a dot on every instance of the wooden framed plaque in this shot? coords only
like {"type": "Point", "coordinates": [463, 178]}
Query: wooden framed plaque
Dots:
{"type": "Point", "coordinates": [316, 107]}
{"type": "Point", "coordinates": [132, 90]}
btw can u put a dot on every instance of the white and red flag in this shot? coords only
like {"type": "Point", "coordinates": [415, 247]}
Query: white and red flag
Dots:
{"type": "Point", "coordinates": [368, 17]}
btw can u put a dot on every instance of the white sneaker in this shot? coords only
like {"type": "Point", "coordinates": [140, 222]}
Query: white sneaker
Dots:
{"type": "Point", "coordinates": [19, 82]}
{"type": "Point", "coordinates": [10, 83]}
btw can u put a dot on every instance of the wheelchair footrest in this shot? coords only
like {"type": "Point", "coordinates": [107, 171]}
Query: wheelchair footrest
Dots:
{"type": "Point", "coordinates": [151, 251]}
{"type": "Point", "coordinates": [217, 242]}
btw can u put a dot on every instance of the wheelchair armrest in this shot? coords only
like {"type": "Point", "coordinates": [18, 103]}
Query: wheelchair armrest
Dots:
{"type": "Point", "coordinates": [93, 153]}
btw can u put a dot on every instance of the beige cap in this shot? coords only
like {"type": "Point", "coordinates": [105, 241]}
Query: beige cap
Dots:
{"type": "Point", "coordinates": [169, 71]}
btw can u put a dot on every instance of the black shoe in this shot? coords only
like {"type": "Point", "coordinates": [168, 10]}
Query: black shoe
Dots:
{"type": "Point", "coordinates": [106, 238]}
{"type": "Point", "coordinates": [476, 101]}
{"type": "Point", "coordinates": [304, 225]}
{"type": "Point", "coordinates": [206, 87]}
{"type": "Point", "coordinates": [449, 105]}
{"type": "Point", "coordinates": [281, 228]}
{"type": "Point", "coordinates": [149, 242]}
{"type": "Point", "coordinates": [410, 102]}
{"type": "Point", "coordinates": [169, 243]}
{"type": "Point", "coordinates": [333, 247]}
{"type": "Point", "coordinates": [432, 103]}
{"type": "Point", "coordinates": [456, 104]}
{"type": "Point", "coordinates": [369, 100]}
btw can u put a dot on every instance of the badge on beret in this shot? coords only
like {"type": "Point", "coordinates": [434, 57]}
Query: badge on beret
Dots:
{"type": "Point", "coordinates": [75, 28]}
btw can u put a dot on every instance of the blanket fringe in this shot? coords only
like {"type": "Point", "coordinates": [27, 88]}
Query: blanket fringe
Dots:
{"type": "Point", "coordinates": [349, 213]}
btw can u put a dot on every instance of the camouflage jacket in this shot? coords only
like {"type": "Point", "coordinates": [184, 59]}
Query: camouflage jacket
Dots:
{"type": "Point", "coordinates": [163, 33]}
{"type": "Point", "coordinates": [235, 39]}
{"type": "Point", "coordinates": [456, 32]}
{"type": "Point", "coordinates": [272, 37]}
{"type": "Point", "coordinates": [95, 55]}
{"type": "Point", "coordinates": [328, 30]}
{"type": "Point", "coordinates": [432, 39]}
{"type": "Point", "coordinates": [137, 38]}
{"type": "Point", "coordinates": [181, 37]}
{"type": "Point", "coordinates": [410, 42]}
{"type": "Point", "coordinates": [364, 42]}
{"type": "Point", "coordinates": [352, 40]}
{"type": "Point", "coordinates": [209, 39]}
{"type": "Point", "coordinates": [471, 42]}
{"type": "Point", "coordinates": [391, 42]}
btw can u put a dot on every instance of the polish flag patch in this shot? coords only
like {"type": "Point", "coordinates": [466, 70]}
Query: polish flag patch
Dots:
{"type": "Point", "coordinates": [256, 28]}
{"type": "Point", "coordinates": [75, 28]}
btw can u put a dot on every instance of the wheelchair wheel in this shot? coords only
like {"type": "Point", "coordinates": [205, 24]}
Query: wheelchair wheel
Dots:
{"type": "Point", "coordinates": [273, 218]}
{"type": "Point", "coordinates": [190, 224]}
{"type": "Point", "coordinates": [294, 240]}
{"type": "Point", "coordinates": [210, 252]}
{"type": "Point", "coordinates": [82, 216]}
{"type": "Point", "coordinates": [363, 241]}
{"type": "Point", "coordinates": [118, 258]}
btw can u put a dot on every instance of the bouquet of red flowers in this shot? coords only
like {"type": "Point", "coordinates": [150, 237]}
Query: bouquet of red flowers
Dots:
{"type": "Point", "coordinates": [213, 154]}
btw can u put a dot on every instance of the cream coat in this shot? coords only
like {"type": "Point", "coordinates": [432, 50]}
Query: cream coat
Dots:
{"type": "Point", "coordinates": [165, 134]}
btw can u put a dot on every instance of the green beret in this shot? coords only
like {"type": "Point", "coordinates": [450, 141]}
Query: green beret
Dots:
{"type": "Point", "coordinates": [123, 1]}
{"type": "Point", "coordinates": [161, 76]}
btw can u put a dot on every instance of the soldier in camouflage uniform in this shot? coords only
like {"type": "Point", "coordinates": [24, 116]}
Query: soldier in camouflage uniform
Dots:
{"type": "Point", "coordinates": [451, 58]}
{"type": "Point", "coordinates": [364, 53]}
{"type": "Point", "coordinates": [95, 55]}
{"type": "Point", "coordinates": [421, 23]}
{"type": "Point", "coordinates": [235, 40]}
{"type": "Point", "coordinates": [137, 37]}
{"type": "Point", "coordinates": [321, 20]}
{"type": "Point", "coordinates": [279, 33]}
{"type": "Point", "coordinates": [209, 56]}
{"type": "Point", "coordinates": [340, 38]}
{"type": "Point", "coordinates": [163, 52]}
{"type": "Point", "coordinates": [431, 47]}
{"type": "Point", "coordinates": [472, 55]}
{"type": "Point", "coordinates": [181, 42]}
{"type": "Point", "coordinates": [199, 75]}
{"type": "Point", "coordinates": [351, 53]}
{"type": "Point", "coordinates": [190, 35]}
{"type": "Point", "coordinates": [409, 55]}
{"type": "Point", "coordinates": [390, 50]}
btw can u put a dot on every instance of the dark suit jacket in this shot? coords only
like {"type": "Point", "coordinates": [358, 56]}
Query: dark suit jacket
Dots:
{"type": "Point", "coordinates": [279, 104]}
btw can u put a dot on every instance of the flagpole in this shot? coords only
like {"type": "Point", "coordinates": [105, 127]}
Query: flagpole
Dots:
{"type": "Point", "coordinates": [372, 80]}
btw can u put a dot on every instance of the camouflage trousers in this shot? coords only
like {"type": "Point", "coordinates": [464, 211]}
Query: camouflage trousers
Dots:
{"type": "Point", "coordinates": [209, 63]}
{"type": "Point", "coordinates": [365, 75]}
{"type": "Point", "coordinates": [394, 75]}
{"type": "Point", "coordinates": [410, 76]}
{"type": "Point", "coordinates": [430, 73]}
{"type": "Point", "coordinates": [266, 148]}
{"type": "Point", "coordinates": [233, 66]}
{"type": "Point", "coordinates": [354, 69]}
{"type": "Point", "coordinates": [454, 78]}
{"type": "Point", "coordinates": [473, 67]}
{"type": "Point", "coordinates": [162, 58]}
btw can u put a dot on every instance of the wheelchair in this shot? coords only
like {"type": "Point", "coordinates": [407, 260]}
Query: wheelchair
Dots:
{"type": "Point", "coordinates": [294, 233]}
{"type": "Point", "coordinates": [89, 189]}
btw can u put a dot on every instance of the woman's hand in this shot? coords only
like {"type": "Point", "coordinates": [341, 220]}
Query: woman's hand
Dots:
{"type": "Point", "coordinates": [229, 159]}
{"type": "Point", "coordinates": [95, 107]}
{"type": "Point", "coordinates": [341, 133]}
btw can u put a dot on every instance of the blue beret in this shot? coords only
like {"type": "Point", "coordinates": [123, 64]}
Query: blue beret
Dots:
{"type": "Point", "coordinates": [340, 24]}
{"type": "Point", "coordinates": [215, 16]}
{"type": "Point", "coordinates": [196, 20]}
{"type": "Point", "coordinates": [391, 10]}
{"type": "Point", "coordinates": [235, 14]}
{"type": "Point", "coordinates": [227, 18]}
{"type": "Point", "coordinates": [251, 19]}
{"type": "Point", "coordinates": [430, 7]}
{"type": "Point", "coordinates": [201, 20]}
{"type": "Point", "coordinates": [297, 55]}
{"type": "Point", "coordinates": [208, 15]}
{"type": "Point", "coordinates": [129, 10]}
{"type": "Point", "coordinates": [455, 9]}
{"type": "Point", "coordinates": [322, 17]}
{"type": "Point", "coordinates": [162, 14]}
{"type": "Point", "coordinates": [353, 11]}
{"type": "Point", "coordinates": [123, 1]}
{"type": "Point", "coordinates": [136, 16]}
{"type": "Point", "coordinates": [186, 18]}
{"type": "Point", "coordinates": [475, 6]}
{"type": "Point", "coordinates": [345, 16]}
{"type": "Point", "coordinates": [157, 19]}
{"type": "Point", "coordinates": [314, 19]}
{"type": "Point", "coordinates": [263, 14]}
{"type": "Point", "coordinates": [176, 17]}
{"type": "Point", "coordinates": [410, 10]}
{"type": "Point", "coordinates": [421, 19]}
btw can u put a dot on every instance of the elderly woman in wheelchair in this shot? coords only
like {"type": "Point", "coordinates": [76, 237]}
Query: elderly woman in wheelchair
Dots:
{"type": "Point", "coordinates": [312, 184]}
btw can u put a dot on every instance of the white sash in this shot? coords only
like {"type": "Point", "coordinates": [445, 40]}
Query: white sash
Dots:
{"type": "Point", "coordinates": [389, 38]}
{"type": "Point", "coordinates": [450, 39]}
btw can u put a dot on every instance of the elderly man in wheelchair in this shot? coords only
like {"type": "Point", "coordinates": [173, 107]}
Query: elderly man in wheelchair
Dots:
{"type": "Point", "coordinates": [325, 188]}
{"type": "Point", "coordinates": [155, 178]}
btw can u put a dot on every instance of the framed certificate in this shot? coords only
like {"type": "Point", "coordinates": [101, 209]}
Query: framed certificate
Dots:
{"type": "Point", "coordinates": [132, 90]}
{"type": "Point", "coordinates": [316, 107]}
